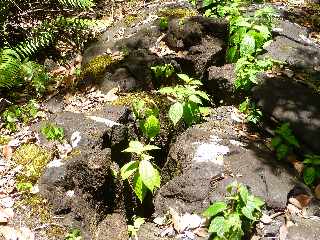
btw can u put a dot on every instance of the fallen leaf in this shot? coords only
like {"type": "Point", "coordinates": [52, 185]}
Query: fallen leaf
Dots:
{"type": "Point", "coordinates": [303, 199]}
{"type": "Point", "coordinates": [266, 219]}
{"type": "Point", "coordinates": [283, 231]}
{"type": "Point", "coordinates": [201, 232]}
{"type": "Point", "coordinates": [111, 95]}
{"type": "Point", "coordinates": [7, 152]}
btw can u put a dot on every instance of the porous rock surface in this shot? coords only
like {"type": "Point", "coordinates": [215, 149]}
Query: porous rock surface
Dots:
{"type": "Point", "coordinates": [207, 157]}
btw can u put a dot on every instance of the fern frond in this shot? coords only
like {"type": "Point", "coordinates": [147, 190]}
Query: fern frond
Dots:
{"type": "Point", "coordinates": [10, 66]}
{"type": "Point", "coordinates": [28, 47]}
{"type": "Point", "coordinates": [83, 4]}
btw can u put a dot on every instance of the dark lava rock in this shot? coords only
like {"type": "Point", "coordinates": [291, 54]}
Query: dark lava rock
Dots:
{"type": "Point", "coordinates": [210, 51]}
{"type": "Point", "coordinates": [193, 174]}
{"type": "Point", "coordinates": [149, 231]}
{"type": "Point", "coordinates": [305, 229]}
{"type": "Point", "coordinates": [113, 227]}
{"type": "Point", "coordinates": [294, 53]}
{"type": "Point", "coordinates": [292, 31]}
{"type": "Point", "coordinates": [182, 34]}
{"type": "Point", "coordinates": [220, 82]}
{"type": "Point", "coordinates": [290, 101]}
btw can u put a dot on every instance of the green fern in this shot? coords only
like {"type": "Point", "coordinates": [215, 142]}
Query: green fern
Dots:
{"type": "Point", "coordinates": [83, 4]}
{"type": "Point", "coordinates": [10, 66]}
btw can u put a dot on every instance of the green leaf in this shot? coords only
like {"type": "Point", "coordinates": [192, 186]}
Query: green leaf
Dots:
{"type": "Point", "coordinates": [139, 188]}
{"type": "Point", "coordinates": [309, 175]}
{"type": "Point", "coordinates": [176, 112]}
{"type": "Point", "coordinates": [247, 45]}
{"type": "Point", "coordinates": [203, 95]}
{"type": "Point", "coordinates": [150, 147]}
{"type": "Point", "coordinates": [248, 213]}
{"type": "Point", "coordinates": [135, 147]}
{"type": "Point", "coordinates": [243, 191]}
{"type": "Point", "coordinates": [151, 126]}
{"type": "Point", "coordinates": [312, 159]}
{"type": "Point", "coordinates": [185, 78]}
{"type": "Point", "coordinates": [231, 54]}
{"type": "Point", "coordinates": [217, 226]}
{"type": "Point", "coordinates": [207, 3]}
{"type": "Point", "coordinates": [150, 176]}
{"type": "Point", "coordinates": [282, 151]}
{"type": "Point", "coordinates": [195, 99]}
{"type": "Point", "coordinates": [215, 209]}
{"type": "Point", "coordinates": [258, 203]}
{"type": "Point", "coordinates": [275, 142]}
{"type": "Point", "coordinates": [128, 169]}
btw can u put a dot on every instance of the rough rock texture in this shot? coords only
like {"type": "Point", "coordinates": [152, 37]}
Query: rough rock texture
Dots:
{"type": "Point", "coordinates": [220, 82]}
{"type": "Point", "coordinates": [292, 102]}
{"type": "Point", "coordinates": [82, 185]}
{"type": "Point", "coordinates": [305, 229]}
{"type": "Point", "coordinates": [114, 227]}
{"type": "Point", "coordinates": [193, 172]}
{"type": "Point", "coordinates": [294, 53]}
{"type": "Point", "coordinates": [292, 31]}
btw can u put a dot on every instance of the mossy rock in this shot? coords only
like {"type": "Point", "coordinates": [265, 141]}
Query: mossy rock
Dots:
{"type": "Point", "coordinates": [96, 68]}
{"type": "Point", "coordinates": [34, 159]}
{"type": "Point", "coordinates": [176, 12]}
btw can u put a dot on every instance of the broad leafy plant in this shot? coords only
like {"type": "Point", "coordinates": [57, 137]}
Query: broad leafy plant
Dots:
{"type": "Point", "coordinates": [222, 8]}
{"type": "Point", "coordinates": [143, 172]}
{"type": "Point", "coordinates": [284, 141]}
{"type": "Point", "coordinates": [249, 34]}
{"type": "Point", "coordinates": [247, 69]}
{"type": "Point", "coordinates": [52, 132]}
{"type": "Point", "coordinates": [147, 115]}
{"type": "Point", "coordinates": [74, 234]}
{"type": "Point", "coordinates": [188, 100]}
{"type": "Point", "coordinates": [311, 171]}
{"type": "Point", "coordinates": [249, 108]}
{"type": "Point", "coordinates": [236, 216]}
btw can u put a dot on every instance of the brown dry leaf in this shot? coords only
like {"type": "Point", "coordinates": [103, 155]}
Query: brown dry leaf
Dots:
{"type": "Point", "coordinates": [317, 191]}
{"type": "Point", "coordinates": [299, 166]}
{"type": "Point", "coordinates": [175, 219]}
{"type": "Point", "coordinates": [7, 152]}
{"type": "Point", "coordinates": [5, 215]}
{"type": "Point", "coordinates": [201, 232]}
{"type": "Point", "coordinates": [283, 231]}
{"type": "Point", "coordinates": [303, 199]}
{"type": "Point", "coordinates": [111, 95]}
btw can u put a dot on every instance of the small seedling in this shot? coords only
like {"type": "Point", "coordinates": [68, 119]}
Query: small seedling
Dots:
{"type": "Point", "coordinates": [284, 141]}
{"type": "Point", "coordinates": [52, 132]}
{"type": "Point", "coordinates": [163, 23]}
{"type": "Point", "coordinates": [145, 173]}
{"type": "Point", "coordinates": [163, 71]}
{"type": "Point", "coordinates": [187, 100]}
{"type": "Point", "coordinates": [74, 234]}
{"type": "Point", "coordinates": [311, 171]}
{"type": "Point", "coordinates": [133, 229]}
{"type": "Point", "coordinates": [250, 109]}
{"type": "Point", "coordinates": [237, 215]}
{"type": "Point", "coordinates": [147, 117]}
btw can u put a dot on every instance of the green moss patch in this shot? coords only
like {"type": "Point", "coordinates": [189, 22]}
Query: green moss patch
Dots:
{"type": "Point", "coordinates": [34, 159]}
{"type": "Point", "coordinates": [176, 12]}
{"type": "Point", "coordinates": [97, 66]}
